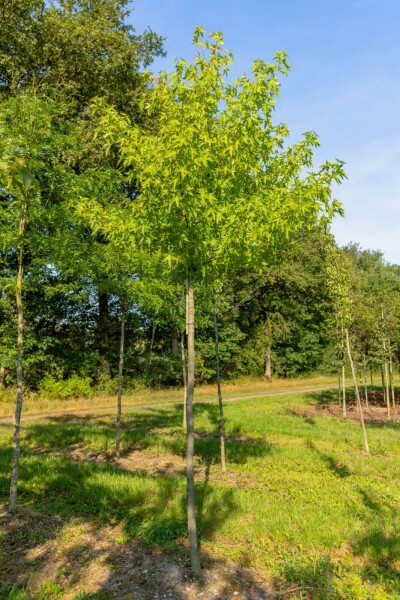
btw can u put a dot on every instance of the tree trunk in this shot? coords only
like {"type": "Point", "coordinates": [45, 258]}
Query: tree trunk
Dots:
{"type": "Point", "coordinates": [184, 378]}
{"type": "Point", "coordinates": [191, 502]}
{"type": "Point", "coordinates": [153, 333]}
{"type": "Point", "coordinates": [20, 350]}
{"type": "Point", "coordinates": [391, 378]}
{"type": "Point", "coordinates": [385, 395]}
{"type": "Point", "coordinates": [2, 376]}
{"type": "Point", "coordinates": [344, 391]}
{"type": "Point", "coordinates": [267, 371]}
{"type": "Point", "coordinates": [339, 395]}
{"type": "Point", "coordinates": [104, 332]}
{"type": "Point", "coordinates": [120, 378]}
{"type": "Point", "coordinates": [221, 407]}
{"type": "Point", "coordinates": [387, 382]}
{"type": "Point", "coordinates": [174, 343]}
{"type": "Point", "coordinates": [360, 408]}
{"type": "Point", "coordinates": [365, 384]}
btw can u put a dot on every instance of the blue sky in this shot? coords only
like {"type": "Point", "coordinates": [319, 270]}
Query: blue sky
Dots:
{"type": "Point", "coordinates": [345, 85]}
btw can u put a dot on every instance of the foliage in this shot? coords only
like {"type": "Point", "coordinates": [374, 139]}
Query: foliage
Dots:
{"type": "Point", "coordinates": [73, 387]}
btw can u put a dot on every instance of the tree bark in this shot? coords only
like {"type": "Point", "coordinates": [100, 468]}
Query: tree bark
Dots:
{"type": "Point", "coordinates": [267, 371]}
{"type": "Point", "coordinates": [344, 391]}
{"type": "Point", "coordinates": [387, 382]}
{"type": "Point", "coordinates": [153, 333]}
{"type": "Point", "coordinates": [385, 395]}
{"type": "Point", "coordinates": [184, 379]}
{"type": "Point", "coordinates": [174, 343]}
{"type": "Point", "coordinates": [365, 384]}
{"type": "Point", "coordinates": [2, 376]}
{"type": "Point", "coordinates": [391, 378]}
{"type": "Point", "coordinates": [120, 380]}
{"type": "Point", "coordinates": [191, 501]}
{"type": "Point", "coordinates": [104, 332]}
{"type": "Point", "coordinates": [360, 408]}
{"type": "Point", "coordinates": [20, 351]}
{"type": "Point", "coordinates": [221, 406]}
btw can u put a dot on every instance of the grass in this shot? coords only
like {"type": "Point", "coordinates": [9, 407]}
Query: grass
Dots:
{"type": "Point", "coordinates": [301, 501]}
{"type": "Point", "coordinates": [34, 404]}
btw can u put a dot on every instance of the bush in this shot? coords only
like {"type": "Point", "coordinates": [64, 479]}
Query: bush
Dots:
{"type": "Point", "coordinates": [74, 387]}
{"type": "Point", "coordinates": [105, 385]}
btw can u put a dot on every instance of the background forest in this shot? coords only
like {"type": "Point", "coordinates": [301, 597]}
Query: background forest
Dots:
{"type": "Point", "coordinates": [277, 324]}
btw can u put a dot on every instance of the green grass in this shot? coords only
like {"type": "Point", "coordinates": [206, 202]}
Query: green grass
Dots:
{"type": "Point", "coordinates": [301, 501]}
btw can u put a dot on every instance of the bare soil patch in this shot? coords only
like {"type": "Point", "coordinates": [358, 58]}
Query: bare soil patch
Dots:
{"type": "Point", "coordinates": [74, 555]}
{"type": "Point", "coordinates": [375, 412]}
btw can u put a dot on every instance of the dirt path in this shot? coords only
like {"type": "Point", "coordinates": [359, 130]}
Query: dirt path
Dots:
{"type": "Point", "coordinates": [111, 408]}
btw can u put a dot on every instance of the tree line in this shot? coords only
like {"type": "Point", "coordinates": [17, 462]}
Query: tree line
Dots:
{"type": "Point", "coordinates": [136, 209]}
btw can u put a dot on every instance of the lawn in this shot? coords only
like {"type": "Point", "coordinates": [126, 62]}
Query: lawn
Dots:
{"type": "Point", "coordinates": [301, 508]}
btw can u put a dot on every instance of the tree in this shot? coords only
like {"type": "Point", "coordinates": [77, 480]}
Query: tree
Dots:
{"type": "Point", "coordinates": [284, 311]}
{"type": "Point", "coordinates": [339, 283]}
{"type": "Point", "coordinates": [216, 179]}
{"type": "Point", "coordinates": [72, 51]}
{"type": "Point", "coordinates": [84, 48]}
{"type": "Point", "coordinates": [31, 139]}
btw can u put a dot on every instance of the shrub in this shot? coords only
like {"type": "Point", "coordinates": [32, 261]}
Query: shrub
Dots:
{"type": "Point", "coordinates": [73, 387]}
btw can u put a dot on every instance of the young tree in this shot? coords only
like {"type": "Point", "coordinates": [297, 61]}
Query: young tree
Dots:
{"type": "Point", "coordinates": [339, 283]}
{"type": "Point", "coordinates": [31, 173]}
{"type": "Point", "coordinates": [216, 179]}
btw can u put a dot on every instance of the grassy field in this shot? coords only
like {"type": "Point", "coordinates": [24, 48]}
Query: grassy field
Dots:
{"type": "Point", "coordinates": [301, 507]}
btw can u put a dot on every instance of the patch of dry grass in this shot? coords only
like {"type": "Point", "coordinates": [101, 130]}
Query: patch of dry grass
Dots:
{"type": "Point", "coordinates": [243, 387]}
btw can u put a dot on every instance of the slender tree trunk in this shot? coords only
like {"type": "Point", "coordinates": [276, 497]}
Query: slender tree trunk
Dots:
{"type": "Point", "coordinates": [174, 343]}
{"type": "Point", "coordinates": [344, 391]}
{"type": "Point", "coordinates": [360, 408]}
{"type": "Point", "coordinates": [2, 376]}
{"type": "Point", "coordinates": [184, 378]}
{"type": "Point", "coordinates": [383, 383]}
{"type": "Point", "coordinates": [387, 382]}
{"type": "Point", "coordinates": [391, 378]}
{"type": "Point", "coordinates": [20, 350]}
{"type": "Point", "coordinates": [221, 407]}
{"type": "Point", "coordinates": [120, 378]}
{"type": "Point", "coordinates": [385, 395]}
{"type": "Point", "coordinates": [267, 371]}
{"type": "Point", "coordinates": [385, 374]}
{"type": "Point", "coordinates": [153, 333]}
{"type": "Point", "coordinates": [339, 394]}
{"type": "Point", "coordinates": [104, 332]}
{"type": "Point", "coordinates": [191, 502]}
{"type": "Point", "coordinates": [365, 384]}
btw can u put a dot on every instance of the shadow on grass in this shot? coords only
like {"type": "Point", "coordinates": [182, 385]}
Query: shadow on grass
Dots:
{"type": "Point", "coordinates": [130, 570]}
{"type": "Point", "coordinates": [327, 398]}
{"type": "Point", "coordinates": [150, 512]}
{"type": "Point", "coordinates": [333, 464]}
{"type": "Point", "coordinates": [156, 428]}
{"type": "Point", "coordinates": [306, 419]}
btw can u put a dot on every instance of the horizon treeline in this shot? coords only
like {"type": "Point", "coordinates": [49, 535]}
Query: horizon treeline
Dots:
{"type": "Point", "coordinates": [277, 324]}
